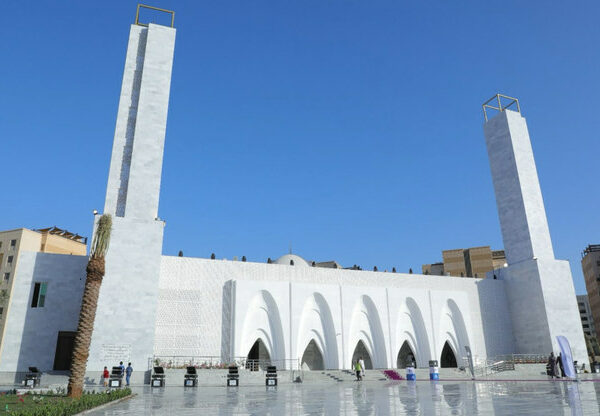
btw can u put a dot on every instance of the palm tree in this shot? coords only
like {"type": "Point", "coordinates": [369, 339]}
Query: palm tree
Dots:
{"type": "Point", "coordinates": [89, 303]}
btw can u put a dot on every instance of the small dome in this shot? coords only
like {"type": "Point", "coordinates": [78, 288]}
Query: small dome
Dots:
{"type": "Point", "coordinates": [287, 260]}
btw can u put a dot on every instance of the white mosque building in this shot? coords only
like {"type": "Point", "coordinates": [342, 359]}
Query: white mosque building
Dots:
{"type": "Point", "coordinates": [287, 311]}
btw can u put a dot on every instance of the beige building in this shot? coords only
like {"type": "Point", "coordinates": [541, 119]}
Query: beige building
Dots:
{"type": "Point", "coordinates": [590, 263]}
{"type": "Point", "coordinates": [14, 242]}
{"type": "Point", "coordinates": [454, 262]}
{"type": "Point", "coordinates": [467, 262]}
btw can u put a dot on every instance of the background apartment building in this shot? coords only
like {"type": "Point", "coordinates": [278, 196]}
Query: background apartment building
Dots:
{"type": "Point", "coordinates": [467, 262]}
{"type": "Point", "coordinates": [590, 263]}
{"type": "Point", "coordinates": [587, 320]}
{"type": "Point", "coordinates": [47, 240]}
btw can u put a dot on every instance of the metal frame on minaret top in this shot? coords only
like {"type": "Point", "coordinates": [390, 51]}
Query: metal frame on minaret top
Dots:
{"type": "Point", "coordinates": [144, 6]}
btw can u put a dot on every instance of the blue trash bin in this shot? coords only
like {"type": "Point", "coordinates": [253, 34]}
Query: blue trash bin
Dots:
{"type": "Point", "coordinates": [434, 371]}
{"type": "Point", "coordinates": [410, 373]}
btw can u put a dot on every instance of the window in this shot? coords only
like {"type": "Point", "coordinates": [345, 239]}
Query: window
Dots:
{"type": "Point", "coordinates": [39, 295]}
{"type": "Point", "coordinates": [6, 277]}
{"type": "Point", "coordinates": [586, 326]}
{"type": "Point", "coordinates": [1, 311]}
{"type": "Point", "coordinates": [9, 260]}
{"type": "Point", "coordinates": [584, 318]}
{"type": "Point", "coordinates": [13, 243]}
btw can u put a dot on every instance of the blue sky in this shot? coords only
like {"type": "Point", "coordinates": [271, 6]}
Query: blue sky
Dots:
{"type": "Point", "coordinates": [349, 130]}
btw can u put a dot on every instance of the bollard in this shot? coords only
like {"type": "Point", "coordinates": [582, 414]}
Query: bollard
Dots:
{"type": "Point", "coordinates": [271, 378]}
{"type": "Point", "coordinates": [158, 377]}
{"type": "Point", "coordinates": [233, 377]}
{"type": "Point", "coordinates": [410, 373]}
{"type": "Point", "coordinates": [190, 379]}
{"type": "Point", "coordinates": [434, 372]}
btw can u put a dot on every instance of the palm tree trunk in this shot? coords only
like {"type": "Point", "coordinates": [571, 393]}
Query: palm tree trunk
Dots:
{"type": "Point", "coordinates": [89, 303]}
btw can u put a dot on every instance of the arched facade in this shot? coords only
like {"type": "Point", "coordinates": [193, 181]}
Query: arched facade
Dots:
{"type": "Point", "coordinates": [366, 326]}
{"type": "Point", "coordinates": [322, 326]}
{"type": "Point", "coordinates": [262, 321]}
{"type": "Point", "coordinates": [316, 325]}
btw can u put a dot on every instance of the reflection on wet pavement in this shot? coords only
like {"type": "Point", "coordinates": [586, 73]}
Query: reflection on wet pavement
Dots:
{"type": "Point", "coordinates": [401, 398]}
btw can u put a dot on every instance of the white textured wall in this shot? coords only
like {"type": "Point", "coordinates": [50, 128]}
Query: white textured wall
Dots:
{"type": "Point", "coordinates": [495, 316]}
{"type": "Point", "coordinates": [31, 333]}
{"type": "Point", "coordinates": [430, 309]}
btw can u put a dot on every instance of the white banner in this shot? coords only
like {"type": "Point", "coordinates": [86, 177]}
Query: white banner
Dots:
{"type": "Point", "coordinates": [567, 356]}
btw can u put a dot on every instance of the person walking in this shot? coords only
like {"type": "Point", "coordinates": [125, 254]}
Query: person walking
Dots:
{"type": "Point", "coordinates": [551, 365]}
{"type": "Point", "coordinates": [122, 367]}
{"type": "Point", "coordinates": [357, 369]}
{"type": "Point", "coordinates": [105, 376]}
{"type": "Point", "coordinates": [560, 371]}
{"type": "Point", "coordinates": [128, 372]}
{"type": "Point", "coordinates": [362, 367]}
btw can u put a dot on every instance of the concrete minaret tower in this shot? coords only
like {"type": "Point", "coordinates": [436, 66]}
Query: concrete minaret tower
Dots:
{"type": "Point", "coordinates": [539, 288]}
{"type": "Point", "coordinates": [124, 326]}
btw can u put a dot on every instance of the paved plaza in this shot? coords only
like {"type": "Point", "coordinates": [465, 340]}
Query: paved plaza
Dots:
{"type": "Point", "coordinates": [401, 398]}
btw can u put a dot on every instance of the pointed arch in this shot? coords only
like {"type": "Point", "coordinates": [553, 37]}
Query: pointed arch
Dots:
{"type": "Point", "coordinates": [312, 358]}
{"type": "Point", "coordinates": [316, 325]}
{"type": "Point", "coordinates": [365, 326]}
{"type": "Point", "coordinates": [406, 356]}
{"type": "Point", "coordinates": [453, 330]}
{"type": "Point", "coordinates": [263, 322]}
{"type": "Point", "coordinates": [259, 356]}
{"type": "Point", "coordinates": [410, 327]}
{"type": "Point", "coordinates": [448, 357]}
{"type": "Point", "coordinates": [362, 352]}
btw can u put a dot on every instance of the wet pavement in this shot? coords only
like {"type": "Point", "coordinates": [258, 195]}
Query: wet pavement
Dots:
{"type": "Point", "coordinates": [398, 398]}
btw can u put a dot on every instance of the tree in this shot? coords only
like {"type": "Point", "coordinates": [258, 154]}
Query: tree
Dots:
{"type": "Point", "coordinates": [89, 303]}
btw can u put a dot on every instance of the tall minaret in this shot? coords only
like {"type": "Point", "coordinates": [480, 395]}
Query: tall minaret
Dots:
{"type": "Point", "coordinates": [539, 288]}
{"type": "Point", "coordinates": [124, 325]}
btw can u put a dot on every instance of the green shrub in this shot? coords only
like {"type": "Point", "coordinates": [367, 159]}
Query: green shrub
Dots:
{"type": "Point", "coordinates": [52, 405]}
